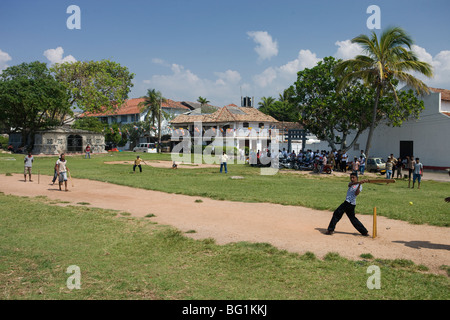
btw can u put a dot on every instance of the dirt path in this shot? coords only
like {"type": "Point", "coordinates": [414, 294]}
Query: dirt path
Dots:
{"type": "Point", "coordinates": [295, 229]}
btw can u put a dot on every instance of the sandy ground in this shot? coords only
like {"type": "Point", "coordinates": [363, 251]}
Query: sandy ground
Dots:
{"type": "Point", "coordinates": [295, 229]}
{"type": "Point", "coordinates": [166, 164]}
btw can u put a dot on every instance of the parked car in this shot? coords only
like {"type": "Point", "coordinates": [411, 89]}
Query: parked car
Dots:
{"type": "Point", "coordinates": [375, 164]}
{"type": "Point", "coordinates": [146, 147]}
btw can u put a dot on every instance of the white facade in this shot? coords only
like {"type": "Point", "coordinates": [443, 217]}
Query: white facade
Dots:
{"type": "Point", "coordinates": [427, 138]}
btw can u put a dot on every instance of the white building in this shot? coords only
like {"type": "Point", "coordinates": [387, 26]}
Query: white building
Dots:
{"type": "Point", "coordinates": [427, 138]}
{"type": "Point", "coordinates": [240, 126]}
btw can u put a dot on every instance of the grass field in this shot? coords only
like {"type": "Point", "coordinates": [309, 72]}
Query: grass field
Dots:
{"type": "Point", "coordinates": [129, 258]}
{"type": "Point", "coordinates": [318, 192]}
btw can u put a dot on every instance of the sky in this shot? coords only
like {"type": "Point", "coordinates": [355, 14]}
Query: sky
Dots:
{"type": "Point", "coordinates": [219, 50]}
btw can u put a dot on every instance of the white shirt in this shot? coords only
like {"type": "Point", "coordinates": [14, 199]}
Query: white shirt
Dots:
{"type": "Point", "coordinates": [351, 194]}
{"type": "Point", "coordinates": [29, 161]}
{"type": "Point", "coordinates": [61, 165]}
{"type": "Point", "coordinates": [223, 158]}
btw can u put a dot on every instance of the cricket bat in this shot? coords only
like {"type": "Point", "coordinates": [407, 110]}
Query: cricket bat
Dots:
{"type": "Point", "coordinates": [381, 181]}
{"type": "Point", "coordinates": [70, 177]}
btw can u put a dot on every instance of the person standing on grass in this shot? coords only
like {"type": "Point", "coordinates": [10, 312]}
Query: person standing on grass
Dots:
{"type": "Point", "coordinates": [88, 151]}
{"type": "Point", "coordinates": [28, 164]}
{"type": "Point", "coordinates": [389, 166]}
{"type": "Point", "coordinates": [55, 173]}
{"type": "Point", "coordinates": [223, 162]}
{"type": "Point", "coordinates": [410, 166]}
{"type": "Point", "coordinates": [62, 169]}
{"type": "Point", "coordinates": [348, 207]}
{"type": "Point", "coordinates": [355, 165]}
{"type": "Point", "coordinates": [417, 173]}
{"type": "Point", "coordinates": [137, 163]}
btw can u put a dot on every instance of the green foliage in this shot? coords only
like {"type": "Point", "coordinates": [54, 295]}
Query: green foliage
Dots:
{"type": "Point", "coordinates": [95, 86]}
{"type": "Point", "coordinates": [327, 113]}
{"type": "Point", "coordinates": [283, 109]}
{"type": "Point", "coordinates": [31, 99]}
{"type": "Point", "coordinates": [89, 123]}
{"type": "Point", "coordinates": [388, 60]}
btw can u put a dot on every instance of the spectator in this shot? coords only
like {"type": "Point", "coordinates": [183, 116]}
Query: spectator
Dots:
{"type": "Point", "coordinates": [417, 173]}
{"type": "Point", "coordinates": [389, 166]}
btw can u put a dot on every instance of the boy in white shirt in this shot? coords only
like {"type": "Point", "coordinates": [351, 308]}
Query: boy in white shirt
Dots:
{"type": "Point", "coordinates": [348, 207]}
{"type": "Point", "coordinates": [28, 164]}
{"type": "Point", "coordinates": [62, 169]}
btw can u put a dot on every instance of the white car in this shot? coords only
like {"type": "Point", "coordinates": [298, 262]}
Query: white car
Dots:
{"type": "Point", "coordinates": [146, 147]}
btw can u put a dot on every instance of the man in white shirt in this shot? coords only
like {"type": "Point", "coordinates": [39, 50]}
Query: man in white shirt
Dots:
{"type": "Point", "coordinates": [223, 162]}
{"type": "Point", "coordinates": [28, 164]}
{"type": "Point", "coordinates": [61, 169]}
{"type": "Point", "coordinates": [348, 207]}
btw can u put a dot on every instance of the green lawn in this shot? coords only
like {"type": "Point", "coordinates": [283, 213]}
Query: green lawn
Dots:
{"type": "Point", "coordinates": [128, 258]}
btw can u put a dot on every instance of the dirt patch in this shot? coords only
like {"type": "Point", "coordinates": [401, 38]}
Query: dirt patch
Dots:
{"type": "Point", "coordinates": [167, 164]}
{"type": "Point", "coordinates": [292, 228]}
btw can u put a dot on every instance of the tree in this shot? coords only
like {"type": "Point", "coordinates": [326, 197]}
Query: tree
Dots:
{"type": "Point", "coordinates": [266, 102]}
{"type": "Point", "coordinates": [89, 123]}
{"type": "Point", "coordinates": [328, 114]}
{"type": "Point", "coordinates": [94, 86]}
{"type": "Point", "coordinates": [283, 109]}
{"type": "Point", "coordinates": [152, 106]}
{"type": "Point", "coordinates": [31, 100]}
{"type": "Point", "coordinates": [205, 107]}
{"type": "Point", "coordinates": [387, 61]}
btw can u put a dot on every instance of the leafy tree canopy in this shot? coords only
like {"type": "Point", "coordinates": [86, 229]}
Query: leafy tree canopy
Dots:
{"type": "Point", "coordinates": [95, 86]}
{"type": "Point", "coordinates": [31, 100]}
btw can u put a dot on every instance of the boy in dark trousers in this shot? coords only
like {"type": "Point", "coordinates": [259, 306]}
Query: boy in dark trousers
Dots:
{"type": "Point", "coordinates": [348, 207]}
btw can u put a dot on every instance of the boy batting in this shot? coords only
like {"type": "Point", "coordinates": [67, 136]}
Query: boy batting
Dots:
{"type": "Point", "coordinates": [348, 207]}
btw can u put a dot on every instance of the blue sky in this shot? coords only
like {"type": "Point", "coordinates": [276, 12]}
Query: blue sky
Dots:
{"type": "Point", "coordinates": [215, 49]}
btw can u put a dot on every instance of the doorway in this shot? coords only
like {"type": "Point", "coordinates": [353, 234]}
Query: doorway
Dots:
{"type": "Point", "coordinates": [406, 148]}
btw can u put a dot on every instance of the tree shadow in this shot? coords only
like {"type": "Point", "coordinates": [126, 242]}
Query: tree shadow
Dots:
{"type": "Point", "coordinates": [424, 244]}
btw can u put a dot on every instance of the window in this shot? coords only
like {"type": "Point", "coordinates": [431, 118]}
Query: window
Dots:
{"type": "Point", "coordinates": [124, 118]}
{"type": "Point", "coordinates": [245, 125]}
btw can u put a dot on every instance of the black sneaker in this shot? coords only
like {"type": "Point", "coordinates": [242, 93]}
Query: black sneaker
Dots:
{"type": "Point", "coordinates": [329, 232]}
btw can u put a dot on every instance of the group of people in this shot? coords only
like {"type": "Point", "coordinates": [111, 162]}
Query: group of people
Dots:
{"type": "Point", "coordinates": [337, 159]}
{"type": "Point", "coordinates": [60, 170]}
{"type": "Point", "coordinates": [413, 166]}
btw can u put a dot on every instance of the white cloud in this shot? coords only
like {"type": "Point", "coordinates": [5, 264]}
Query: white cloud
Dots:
{"type": "Point", "coordinates": [440, 64]}
{"type": "Point", "coordinates": [56, 56]}
{"type": "Point", "coordinates": [182, 84]}
{"type": "Point", "coordinates": [4, 58]}
{"type": "Point", "coordinates": [267, 48]}
{"type": "Point", "coordinates": [347, 50]}
{"type": "Point", "coordinates": [286, 75]}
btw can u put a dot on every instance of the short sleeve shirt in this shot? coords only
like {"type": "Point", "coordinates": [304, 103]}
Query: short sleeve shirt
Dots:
{"type": "Point", "coordinates": [351, 194]}
{"type": "Point", "coordinates": [61, 165]}
{"type": "Point", "coordinates": [29, 161]}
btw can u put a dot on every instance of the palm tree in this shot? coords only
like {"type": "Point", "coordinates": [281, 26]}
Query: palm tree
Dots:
{"type": "Point", "coordinates": [204, 105]}
{"type": "Point", "coordinates": [152, 106]}
{"type": "Point", "coordinates": [387, 61]}
{"type": "Point", "coordinates": [266, 102]}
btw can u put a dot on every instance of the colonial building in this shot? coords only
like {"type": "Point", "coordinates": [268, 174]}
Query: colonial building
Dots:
{"type": "Point", "coordinates": [62, 140]}
{"type": "Point", "coordinates": [241, 125]}
{"type": "Point", "coordinates": [130, 112]}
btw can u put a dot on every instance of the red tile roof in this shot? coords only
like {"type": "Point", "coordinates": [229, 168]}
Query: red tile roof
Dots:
{"type": "Point", "coordinates": [445, 94]}
{"type": "Point", "coordinates": [131, 106]}
{"type": "Point", "coordinates": [229, 113]}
